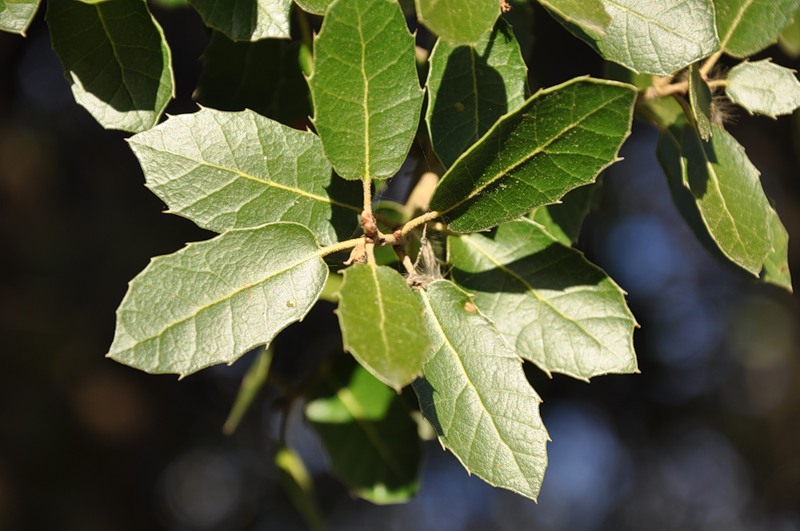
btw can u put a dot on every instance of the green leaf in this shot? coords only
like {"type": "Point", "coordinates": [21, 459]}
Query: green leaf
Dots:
{"type": "Point", "coordinates": [252, 383]}
{"type": "Point", "coordinates": [381, 323]}
{"type": "Point", "coordinates": [590, 15]}
{"type": "Point", "coordinates": [476, 396]}
{"type": "Point", "coordinates": [764, 88]}
{"type": "Point", "coordinates": [264, 76]}
{"type": "Point", "coordinates": [116, 58]}
{"type": "Point", "coordinates": [365, 88]}
{"type": "Point", "coordinates": [536, 154]}
{"type": "Point", "coordinates": [237, 170]}
{"type": "Point", "coordinates": [565, 219]}
{"type": "Point", "coordinates": [16, 15]}
{"type": "Point", "coordinates": [776, 267]}
{"type": "Point", "coordinates": [726, 204]}
{"type": "Point", "coordinates": [552, 305]}
{"type": "Point", "coordinates": [470, 87]}
{"type": "Point", "coordinates": [368, 432]}
{"type": "Point", "coordinates": [458, 21]}
{"type": "Point", "coordinates": [700, 102]}
{"type": "Point", "coordinates": [748, 26]}
{"type": "Point", "coordinates": [298, 486]}
{"type": "Point", "coordinates": [317, 7]}
{"type": "Point", "coordinates": [654, 37]}
{"type": "Point", "coordinates": [789, 39]}
{"type": "Point", "coordinates": [247, 20]}
{"type": "Point", "coordinates": [213, 301]}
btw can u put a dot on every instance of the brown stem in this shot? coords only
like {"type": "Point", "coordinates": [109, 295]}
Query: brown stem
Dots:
{"type": "Point", "coordinates": [709, 64]}
{"type": "Point", "coordinates": [391, 239]}
{"type": "Point", "coordinates": [341, 246]}
{"type": "Point", "coordinates": [655, 92]}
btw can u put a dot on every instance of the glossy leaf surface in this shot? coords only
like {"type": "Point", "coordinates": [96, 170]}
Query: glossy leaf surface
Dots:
{"type": "Point", "coordinates": [16, 15]}
{"type": "Point", "coordinates": [536, 154]}
{"type": "Point", "coordinates": [368, 433]}
{"type": "Point", "coordinates": [551, 304]}
{"type": "Point", "coordinates": [470, 87]}
{"type": "Point", "coordinates": [116, 59]}
{"type": "Point", "coordinates": [764, 88]}
{"type": "Point", "coordinates": [724, 192]}
{"type": "Point", "coordinates": [228, 170]}
{"type": "Point", "coordinates": [381, 323]}
{"type": "Point", "coordinates": [458, 21]}
{"type": "Point", "coordinates": [212, 301]}
{"type": "Point", "coordinates": [366, 92]}
{"type": "Point", "coordinates": [246, 20]}
{"type": "Point", "coordinates": [748, 26]}
{"type": "Point", "coordinates": [476, 396]}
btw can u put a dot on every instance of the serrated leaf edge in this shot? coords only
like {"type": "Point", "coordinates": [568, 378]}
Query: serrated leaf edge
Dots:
{"type": "Point", "coordinates": [539, 149]}
{"type": "Point", "coordinates": [440, 330]}
{"type": "Point", "coordinates": [234, 356]}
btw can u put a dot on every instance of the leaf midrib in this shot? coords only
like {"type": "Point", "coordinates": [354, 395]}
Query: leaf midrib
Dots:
{"type": "Point", "coordinates": [476, 131]}
{"type": "Point", "coordinates": [723, 200]}
{"type": "Point", "coordinates": [365, 100]}
{"type": "Point", "coordinates": [735, 24]}
{"type": "Point", "coordinates": [505, 171]}
{"type": "Point", "coordinates": [227, 297]}
{"type": "Point", "coordinates": [114, 52]}
{"type": "Point", "coordinates": [267, 182]}
{"type": "Point", "coordinates": [485, 410]}
{"type": "Point", "coordinates": [532, 291]}
{"type": "Point", "coordinates": [387, 346]}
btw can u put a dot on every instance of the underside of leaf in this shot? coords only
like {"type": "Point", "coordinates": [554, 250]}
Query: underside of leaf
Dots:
{"type": "Point", "coordinates": [475, 394]}
{"type": "Point", "coordinates": [226, 170]}
{"type": "Point", "coordinates": [551, 304]}
{"type": "Point", "coordinates": [212, 301]}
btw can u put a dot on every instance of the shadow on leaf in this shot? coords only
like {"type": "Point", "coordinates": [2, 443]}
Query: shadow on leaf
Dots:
{"type": "Point", "coordinates": [554, 268]}
{"type": "Point", "coordinates": [460, 118]}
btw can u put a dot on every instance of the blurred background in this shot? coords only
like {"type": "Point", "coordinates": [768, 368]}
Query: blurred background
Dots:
{"type": "Point", "coordinates": [707, 437]}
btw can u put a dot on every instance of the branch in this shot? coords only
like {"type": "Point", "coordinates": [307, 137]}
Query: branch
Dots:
{"type": "Point", "coordinates": [341, 246]}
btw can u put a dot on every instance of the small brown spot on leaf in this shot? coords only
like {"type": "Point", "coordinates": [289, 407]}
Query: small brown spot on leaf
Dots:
{"type": "Point", "coordinates": [470, 307]}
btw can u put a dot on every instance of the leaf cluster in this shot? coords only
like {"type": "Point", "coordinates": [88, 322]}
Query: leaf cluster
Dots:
{"type": "Point", "coordinates": [449, 292]}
